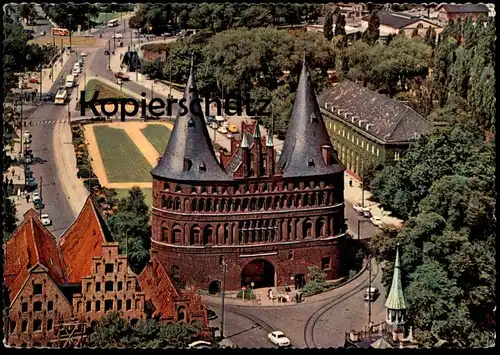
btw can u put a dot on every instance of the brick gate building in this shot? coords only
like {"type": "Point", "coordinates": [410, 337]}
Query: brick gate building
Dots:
{"type": "Point", "coordinates": [267, 218]}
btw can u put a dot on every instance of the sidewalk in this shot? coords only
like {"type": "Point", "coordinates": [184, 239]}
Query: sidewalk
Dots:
{"type": "Point", "coordinates": [47, 77]}
{"type": "Point", "coordinates": [158, 87]}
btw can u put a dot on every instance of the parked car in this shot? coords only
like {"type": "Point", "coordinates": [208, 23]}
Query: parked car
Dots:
{"type": "Point", "coordinates": [166, 34]}
{"type": "Point", "coordinates": [209, 119]}
{"type": "Point", "coordinates": [214, 125]}
{"type": "Point", "coordinates": [278, 338]}
{"type": "Point", "coordinates": [371, 294]}
{"type": "Point", "coordinates": [36, 197]}
{"type": "Point", "coordinates": [357, 207]}
{"type": "Point", "coordinates": [119, 81]}
{"type": "Point", "coordinates": [211, 314]}
{"type": "Point", "coordinates": [45, 220]}
{"type": "Point", "coordinates": [376, 221]}
{"type": "Point", "coordinates": [106, 52]}
{"type": "Point", "coordinates": [229, 135]}
{"type": "Point", "coordinates": [222, 130]}
{"type": "Point", "coordinates": [83, 54]}
{"type": "Point", "coordinates": [367, 213]}
{"type": "Point", "coordinates": [50, 96]}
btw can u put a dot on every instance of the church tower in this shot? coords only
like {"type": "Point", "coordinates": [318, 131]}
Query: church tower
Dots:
{"type": "Point", "coordinates": [396, 303]}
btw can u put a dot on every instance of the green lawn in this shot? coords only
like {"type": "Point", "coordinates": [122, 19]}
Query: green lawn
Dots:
{"type": "Point", "coordinates": [157, 135]}
{"type": "Point", "coordinates": [122, 160]}
{"type": "Point", "coordinates": [105, 91]}
{"type": "Point", "coordinates": [147, 194]}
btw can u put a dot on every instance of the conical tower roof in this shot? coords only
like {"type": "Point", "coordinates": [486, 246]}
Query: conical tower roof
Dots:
{"type": "Point", "coordinates": [396, 299]}
{"type": "Point", "coordinates": [189, 154]}
{"type": "Point", "coordinates": [302, 150]}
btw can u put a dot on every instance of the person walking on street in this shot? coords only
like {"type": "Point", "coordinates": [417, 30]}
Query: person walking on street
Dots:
{"type": "Point", "coordinates": [350, 183]}
{"type": "Point", "coordinates": [27, 198]}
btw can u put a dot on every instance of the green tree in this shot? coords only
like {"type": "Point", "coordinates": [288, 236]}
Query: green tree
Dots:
{"type": "Point", "coordinates": [27, 12]}
{"type": "Point", "coordinates": [415, 33]}
{"type": "Point", "coordinates": [328, 26]}
{"type": "Point", "coordinates": [130, 226]}
{"type": "Point", "coordinates": [8, 215]}
{"type": "Point", "coordinates": [317, 282]}
{"type": "Point", "coordinates": [112, 331]}
{"type": "Point", "coordinates": [372, 32]}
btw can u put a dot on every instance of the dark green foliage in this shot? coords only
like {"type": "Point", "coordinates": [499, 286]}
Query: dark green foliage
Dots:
{"type": "Point", "coordinates": [78, 13]}
{"type": "Point", "coordinates": [328, 27]}
{"type": "Point", "coordinates": [131, 228]}
{"type": "Point", "coordinates": [317, 283]}
{"type": "Point", "coordinates": [115, 332]}
{"type": "Point", "coordinates": [445, 185]}
{"type": "Point", "coordinates": [372, 32]}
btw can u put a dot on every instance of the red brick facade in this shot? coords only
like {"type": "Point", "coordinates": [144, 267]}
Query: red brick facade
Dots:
{"type": "Point", "coordinates": [78, 280]}
{"type": "Point", "coordinates": [290, 223]}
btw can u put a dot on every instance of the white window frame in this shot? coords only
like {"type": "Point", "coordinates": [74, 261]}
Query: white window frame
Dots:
{"type": "Point", "coordinates": [396, 156]}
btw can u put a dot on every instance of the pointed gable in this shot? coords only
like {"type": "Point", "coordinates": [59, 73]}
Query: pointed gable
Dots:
{"type": "Point", "coordinates": [82, 241]}
{"type": "Point", "coordinates": [31, 244]}
{"type": "Point", "coordinates": [158, 287]}
{"type": "Point", "coordinates": [302, 153]}
{"type": "Point", "coordinates": [189, 154]}
{"type": "Point", "coordinates": [396, 299]}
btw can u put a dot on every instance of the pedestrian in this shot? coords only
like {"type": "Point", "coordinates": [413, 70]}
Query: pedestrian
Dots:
{"type": "Point", "coordinates": [18, 193]}
{"type": "Point", "coordinates": [27, 198]}
{"type": "Point", "coordinates": [350, 183]}
{"type": "Point", "coordinates": [13, 172]}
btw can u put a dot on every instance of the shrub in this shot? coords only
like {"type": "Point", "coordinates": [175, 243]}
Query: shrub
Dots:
{"type": "Point", "coordinates": [249, 295]}
{"type": "Point", "coordinates": [317, 284]}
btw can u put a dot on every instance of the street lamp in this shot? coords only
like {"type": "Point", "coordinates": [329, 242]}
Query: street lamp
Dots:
{"type": "Point", "coordinates": [70, 18]}
{"type": "Point", "coordinates": [223, 296]}
{"type": "Point", "coordinates": [41, 76]}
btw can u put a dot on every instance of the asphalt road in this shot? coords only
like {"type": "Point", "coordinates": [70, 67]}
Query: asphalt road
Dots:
{"type": "Point", "coordinates": [44, 165]}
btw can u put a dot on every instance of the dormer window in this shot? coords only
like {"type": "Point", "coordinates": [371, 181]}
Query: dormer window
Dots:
{"type": "Point", "coordinates": [310, 162]}
{"type": "Point", "coordinates": [178, 188]}
{"type": "Point", "coordinates": [191, 123]}
{"type": "Point", "coordinates": [187, 164]}
{"type": "Point", "coordinates": [203, 167]}
{"type": "Point", "coordinates": [166, 186]}
{"type": "Point", "coordinates": [313, 117]}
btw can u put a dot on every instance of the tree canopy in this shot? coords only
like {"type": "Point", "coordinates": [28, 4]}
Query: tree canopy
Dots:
{"type": "Point", "coordinates": [131, 228]}
{"type": "Point", "coordinates": [445, 185]}
{"type": "Point", "coordinates": [113, 331]}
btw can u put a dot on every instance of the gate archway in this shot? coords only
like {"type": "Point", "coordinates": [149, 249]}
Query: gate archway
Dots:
{"type": "Point", "coordinates": [259, 271]}
{"type": "Point", "coordinates": [214, 287]}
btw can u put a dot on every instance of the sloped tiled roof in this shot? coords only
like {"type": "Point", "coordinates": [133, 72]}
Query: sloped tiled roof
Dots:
{"type": "Point", "coordinates": [382, 117]}
{"type": "Point", "coordinates": [464, 8]}
{"type": "Point", "coordinates": [396, 19]}
{"type": "Point", "coordinates": [82, 241]}
{"type": "Point", "coordinates": [156, 284]}
{"type": "Point", "coordinates": [237, 157]}
{"type": "Point", "coordinates": [31, 244]}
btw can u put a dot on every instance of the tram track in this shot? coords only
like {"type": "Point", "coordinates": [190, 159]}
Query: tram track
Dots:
{"type": "Point", "coordinates": [315, 317]}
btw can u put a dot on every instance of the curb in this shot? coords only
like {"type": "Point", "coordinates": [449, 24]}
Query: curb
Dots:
{"type": "Point", "coordinates": [363, 269]}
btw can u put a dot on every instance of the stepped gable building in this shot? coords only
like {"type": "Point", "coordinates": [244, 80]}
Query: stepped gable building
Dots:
{"type": "Point", "coordinates": [267, 220]}
{"type": "Point", "coordinates": [58, 291]}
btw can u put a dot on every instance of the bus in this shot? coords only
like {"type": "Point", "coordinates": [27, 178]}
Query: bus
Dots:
{"type": "Point", "coordinates": [113, 23]}
{"type": "Point", "coordinates": [61, 97]}
{"type": "Point", "coordinates": [60, 31]}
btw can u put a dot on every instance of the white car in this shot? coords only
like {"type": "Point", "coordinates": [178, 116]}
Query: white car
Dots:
{"type": "Point", "coordinates": [357, 208]}
{"type": "Point", "coordinates": [229, 135]}
{"type": "Point", "coordinates": [376, 221]}
{"type": "Point", "coordinates": [45, 220]}
{"type": "Point", "coordinates": [222, 130]}
{"type": "Point", "coordinates": [36, 197]}
{"type": "Point", "coordinates": [83, 54]}
{"type": "Point", "coordinates": [200, 344]}
{"type": "Point", "coordinates": [214, 125]}
{"type": "Point", "coordinates": [278, 338]}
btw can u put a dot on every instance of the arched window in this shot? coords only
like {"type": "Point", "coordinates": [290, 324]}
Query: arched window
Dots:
{"type": "Point", "coordinates": [170, 203]}
{"type": "Point", "coordinates": [176, 234]}
{"type": "Point", "coordinates": [193, 189]}
{"type": "Point", "coordinates": [419, 26]}
{"type": "Point", "coordinates": [166, 187]}
{"type": "Point", "coordinates": [175, 273]}
{"type": "Point", "coordinates": [194, 235]}
{"type": "Point", "coordinates": [209, 205]}
{"type": "Point", "coordinates": [177, 204]}
{"type": "Point", "coordinates": [194, 205]}
{"type": "Point", "coordinates": [208, 233]}
{"type": "Point", "coordinates": [163, 201]}
{"type": "Point", "coordinates": [178, 188]}
{"type": "Point", "coordinates": [164, 234]}
{"type": "Point", "coordinates": [306, 200]}
{"type": "Point", "coordinates": [181, 314]}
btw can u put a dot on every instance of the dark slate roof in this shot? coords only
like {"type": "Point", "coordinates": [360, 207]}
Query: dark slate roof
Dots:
{"type": "Point", "coordinates": [464, 8]}
{"type": "Point", "coordinates": [396, 19]}
{"type": "Point", "coordinates": [237, 158]}
{"type": "Point", "coordinates": [382, 117]}
{"type": "Point", "coordinates": [190, 140]}
{"type": "Point", "coordinates": [306, 135]}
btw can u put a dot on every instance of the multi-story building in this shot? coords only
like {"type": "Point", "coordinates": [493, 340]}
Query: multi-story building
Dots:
{"type": "Point", "coordinates": [447, 12]}
{"type": "Point", "coordinates": [395, 23]}
{"type": "Point", "coordinates": [57, 290]}
{"type": "Point", "coordinates": [367, 127]}
{"type": "Point", "coordinates": [267, 220]}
